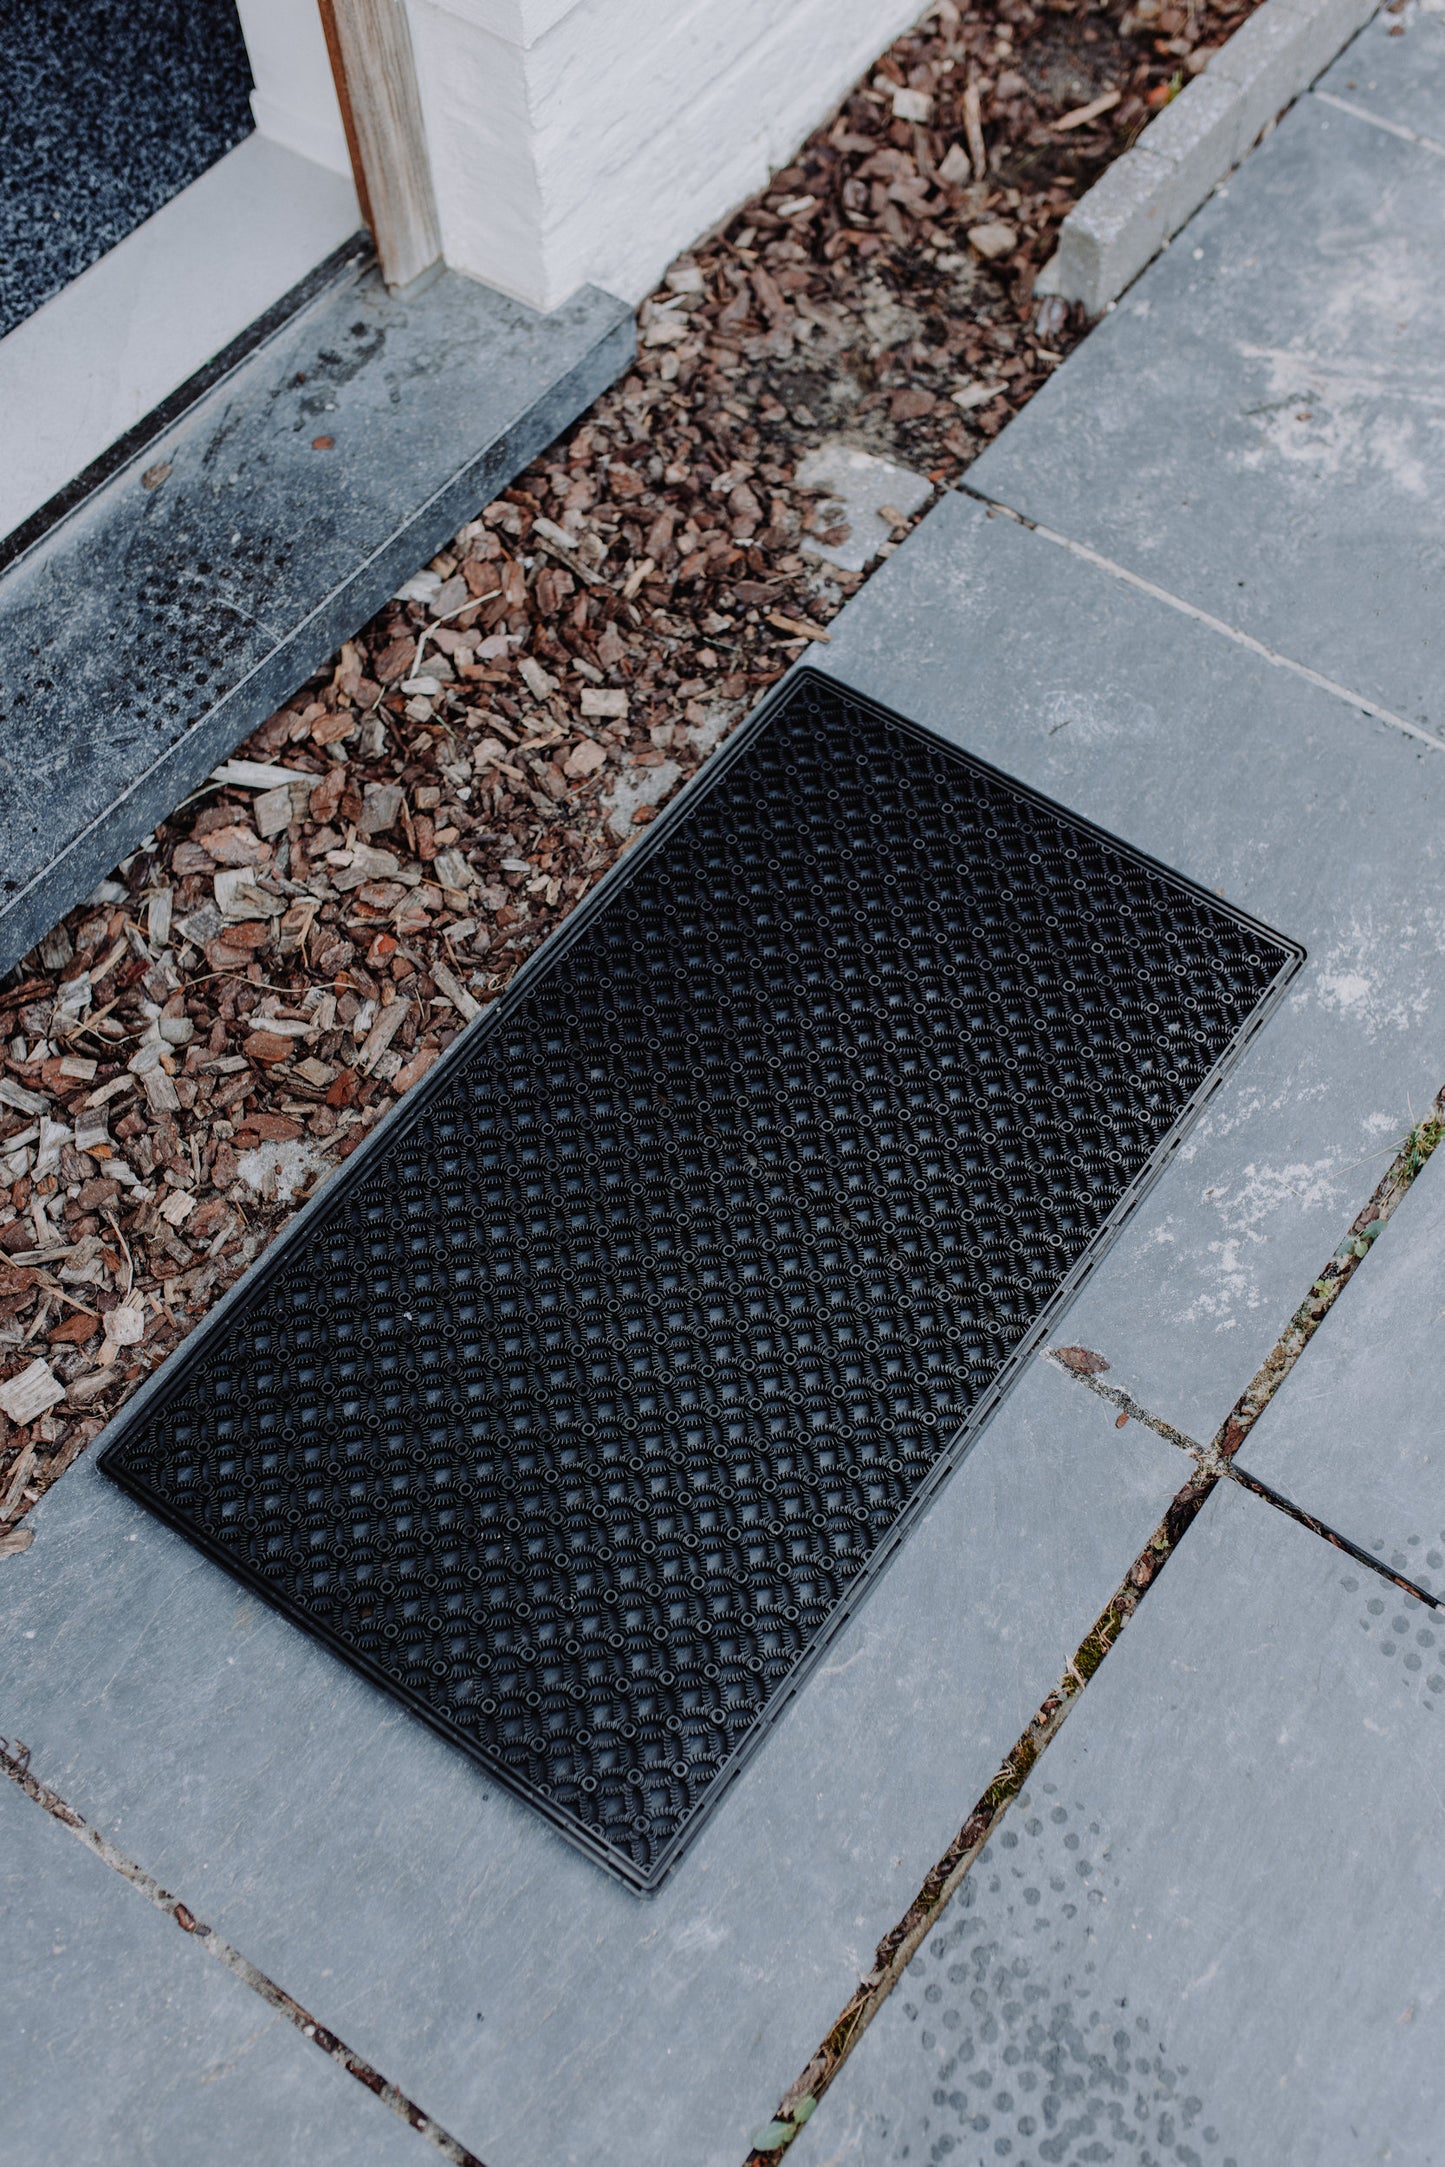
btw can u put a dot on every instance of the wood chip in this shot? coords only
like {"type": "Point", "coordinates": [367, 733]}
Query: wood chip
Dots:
{"type": "Point", "coordinates": [455, 992]}
{"type": "Point", "coordinates": [11, 1496]}
{"type": "Point", "coordinates": [364, 862]}
{"type": "Point", "coordinates": [994, 238]}
{"type": "Point", "coordinates": [558, 543]}
{"type": "Point", "coordinates": [92, 1132]}
{"type": "Point", "coordinates": [24, 1102]}
{"type": "Point", "coordinates": [237, 846]}
{"type": "Point", "coordinates": [161, 1094]}
{"type": "Point", "coordinates": [90, 1387]}
{"type": "Point", "coordinates": [24, 1397]}
{"type": "Point", "coordinates": [602, 703]}
{"type": "Point", "coordinates": [584, 759]}
{"type": "Point", "coordinates": [1083, 114]}
{"type": "Point", "coordinates": [798, 626]}
{"type": "Point", "coordinates": [381, 1034]}
{"type": "Point", "coordinates": [915, 105]}
{"type": "Point", "coordinates": [1081, 1360]}
{"type": "Point", "coordinates": [125, 1326]}
{"type": "Point", "coordinates": [158, 918]}
{"type": "Point", "coordinates": [273, 809]}
{"type": "Point", "coordinates": [413, 1070]}
{"type": "Point", "coordinates": [268, 1047]}
{"type": "Point", "coordinates": [331, 729]}
{"type": "Point", "coordinates": [238, 898]}
{"type": "Point", "coordinates": [253, 774]}
{"type": "Point", "coordinates": [969, 396]}
{"type": "Point", "coordinates": [320, 1073]}
{"type": "Point", "coordinates": [115, 1089]}
{"type": "Point", "coordinates": [973, 129]}
{"type": "Point", "coordinates": [381, 804]}
{"type": "Point", "coordinates": [452, 870]}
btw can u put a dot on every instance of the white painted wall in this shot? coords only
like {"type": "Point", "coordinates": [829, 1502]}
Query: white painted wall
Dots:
{"type": "Point", "coordinates": [294, 101]}
{"type": "Point", "coordinates": [591, 140]}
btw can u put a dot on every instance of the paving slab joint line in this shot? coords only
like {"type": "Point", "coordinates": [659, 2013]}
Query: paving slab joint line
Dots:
{"type": "Point", "coordinates": [1377, 120]}
{"type": "Point", "coordinates": [1247, 640]}
{"type": "Point", "coordinates": [1332, 1536]}
{"type": "Point", "coordinates": [1212, 1459]}
{"type": "Point", "coordinates": [1213, 1464]}
{"type": "Point", "coordinates": [15, 1763]}
{"type": "Point", "coordinates": [898, 1946]}
{"type": "Point", "coordinates": [1370, 1221]}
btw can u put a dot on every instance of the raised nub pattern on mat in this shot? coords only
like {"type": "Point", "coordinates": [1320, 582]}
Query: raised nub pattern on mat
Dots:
{"type": "Point", "coordinates": [581, 1406]}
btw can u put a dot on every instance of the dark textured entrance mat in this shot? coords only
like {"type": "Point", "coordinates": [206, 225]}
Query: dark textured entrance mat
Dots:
{"type": "Point", "coordinates": [110, 109]}
{"type": "Point", "coordinates": [579, 1410]}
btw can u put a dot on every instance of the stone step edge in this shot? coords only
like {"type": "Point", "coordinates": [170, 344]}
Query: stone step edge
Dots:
{"type": "Point", "coordinates": [343, 266]}
{"type": "Point", "coordinates": [1143, 199]}
{"type": "Point", "coordinates": [171, 775]}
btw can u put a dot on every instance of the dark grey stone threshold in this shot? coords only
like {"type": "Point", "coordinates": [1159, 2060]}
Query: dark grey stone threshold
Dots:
{"type": "Point", "coordinates": [145, 630]}
{"type": "Point", "coordinates": [342, 267]}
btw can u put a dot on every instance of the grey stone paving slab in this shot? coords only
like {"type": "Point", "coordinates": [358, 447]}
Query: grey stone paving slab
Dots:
{"type": "Point", "coordinates": [126, 2043]}
{"type": "Point", "coordinates": [1259, 427]}
{"type": "Point", "coordinates": [161, 620]}
{"type": "Point", "coordinates": [1210, 1929]}
{"type": "Point", "coordinates": [539, 2010]}
{"type": "Point", "coordinates": [1356, 1433]}
{"type": "Point", "coordinates": [1289, 803]}
{"type": "Point", "coordinates": [1396, 69]}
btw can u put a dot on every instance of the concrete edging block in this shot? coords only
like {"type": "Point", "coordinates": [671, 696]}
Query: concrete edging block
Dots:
{"type": "Point", "coordinates": [1120, 220]}
{"type": "Point", "coordinates": [1154, 188]}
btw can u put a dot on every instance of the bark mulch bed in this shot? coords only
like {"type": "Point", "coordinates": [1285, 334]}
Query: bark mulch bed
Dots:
{"type": "Point", "coordinates": [189, 1054]}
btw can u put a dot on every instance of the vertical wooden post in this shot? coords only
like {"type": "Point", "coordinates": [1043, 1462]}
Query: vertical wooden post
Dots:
{"type": "Point", "coordinates": [371, 59]}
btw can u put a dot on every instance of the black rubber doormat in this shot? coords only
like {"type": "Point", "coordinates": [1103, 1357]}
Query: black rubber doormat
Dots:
{"type": "Point", "coordinates": [581, 1407]}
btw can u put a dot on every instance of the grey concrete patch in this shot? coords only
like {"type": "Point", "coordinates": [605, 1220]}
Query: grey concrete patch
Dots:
{"type": "Point", "coordinates": [127, 2043]}
{"type": "Point", "coordinates": [1355, 1434]}
{"type": "Point", "coordinates": [278, 1171]}
{"type": "Point", "coordinates": [1257, 428]}
{"type": "Point", "coordinates": [639, 786]}
{"type": "Point", "coordinates": [165, 617]}
{"type": "Point", "coordinates": [1320, 822]}
{"type": "Point", "coordinates": [862, 487]}
{"type": "Point", "coordinates": [538, 2009]}
{"type": "Point", "coordinates": [1210, 1928]}
{"type": "Point", "coordinates": [1395, 69]}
